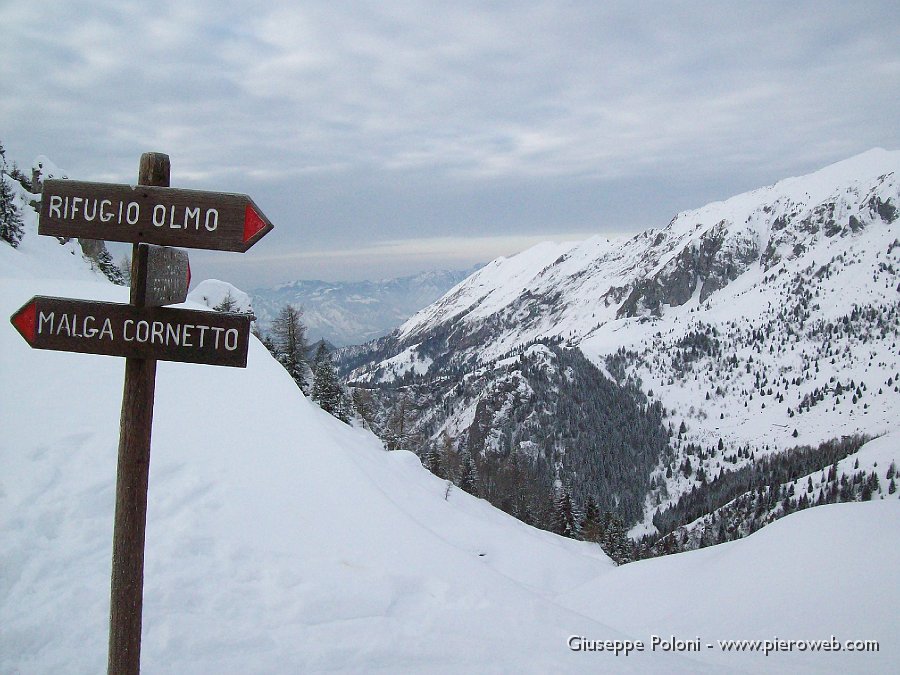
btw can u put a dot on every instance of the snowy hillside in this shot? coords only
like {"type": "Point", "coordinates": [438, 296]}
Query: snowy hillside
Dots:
{"type": "Point", "coordinates": [350, 313]}
{"type": "Point", "coordinates": [575, 290]}
{"type": "Point", "coordinates": [216, 294]}
{"type": "Point", "coordinates": [280, 540]}
{"type": "Point", "coordinates": [763, 322]}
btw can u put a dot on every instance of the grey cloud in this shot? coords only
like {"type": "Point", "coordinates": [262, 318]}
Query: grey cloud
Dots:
{"type": "Point", "coordinates": [350, 120]}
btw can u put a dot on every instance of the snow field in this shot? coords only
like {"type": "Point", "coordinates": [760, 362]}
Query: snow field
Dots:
{"type": "Point", "coordinates": [280, 540]}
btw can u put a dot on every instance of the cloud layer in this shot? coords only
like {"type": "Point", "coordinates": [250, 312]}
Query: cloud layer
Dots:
{"type": "Point", "coordinates": [354, 123]}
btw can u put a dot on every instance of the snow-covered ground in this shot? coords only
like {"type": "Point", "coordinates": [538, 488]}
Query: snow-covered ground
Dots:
{"type": "Point", "coordinates": [213, 293]}
{"type": "Point", "coordinates": [280, 540]}
{"type": "Point", "coordinates": [794, 579]}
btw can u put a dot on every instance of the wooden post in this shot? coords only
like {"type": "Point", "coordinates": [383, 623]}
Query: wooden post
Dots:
{"type": "Point", "coordinates": [127, 583]}
{"type": "Point", "coordinates": [231, 222]}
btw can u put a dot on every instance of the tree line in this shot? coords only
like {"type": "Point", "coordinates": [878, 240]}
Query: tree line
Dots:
{"type": "Point", "coordinates": [11, 226]}
{"type": "Point", "coordinates": [311, 369]}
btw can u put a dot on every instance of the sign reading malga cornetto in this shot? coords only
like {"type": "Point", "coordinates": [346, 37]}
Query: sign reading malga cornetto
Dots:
{"type": "Point", "coordinates": [112, 329]}
{"type": "Point", "coordinates": [220, 221]}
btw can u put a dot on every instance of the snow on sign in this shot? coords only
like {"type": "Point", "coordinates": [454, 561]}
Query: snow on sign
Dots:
{"type": "Point", "coordinates": [112, 329]}
{"type": "Point", "coordinates": [158, 215]}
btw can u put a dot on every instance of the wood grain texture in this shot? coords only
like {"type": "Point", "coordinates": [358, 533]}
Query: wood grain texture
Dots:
{"type": "Point", "coordinates": [126, 597]}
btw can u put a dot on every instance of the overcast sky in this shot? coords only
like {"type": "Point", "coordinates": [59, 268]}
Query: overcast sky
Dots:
{"type": "Point", "coordinates": [384, 138]}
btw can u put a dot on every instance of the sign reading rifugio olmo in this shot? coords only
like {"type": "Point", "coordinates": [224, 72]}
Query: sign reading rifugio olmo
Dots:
{"type": "Point", "coordinates": [158, 215]}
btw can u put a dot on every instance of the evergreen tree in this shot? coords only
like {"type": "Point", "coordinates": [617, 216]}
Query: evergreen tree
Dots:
{"type": "Point", "coordinates": [434, 461]}
{"type": "Point", "coordinates": [228, 304]}
{"type": "Point", "coordinates": [289, 339]}
{"type": "Point", "coordinates": [110, 269]}
{"type": "Point", "coordinates": [564, 519]}
{"type": "Point", "coordinates": [866, 492]}
{"type": "Point", "coordinates": [614, 538]}
{"type": "Point", "coordinates": [326, 390]}
{"type": "Point", "coordinates": [468, 477]}
{"type": "Point", "coordinates": [364, 405]}
{"type": "Point", "coordinates": [16, 174]}
{"type": "Point", "coordinates": [11, 226]}
{"type": "Point", "coordinates": [590, 523]}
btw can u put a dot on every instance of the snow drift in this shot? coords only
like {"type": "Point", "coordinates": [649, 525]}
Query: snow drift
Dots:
{"type": "Point", "coordinates": [280, 540]}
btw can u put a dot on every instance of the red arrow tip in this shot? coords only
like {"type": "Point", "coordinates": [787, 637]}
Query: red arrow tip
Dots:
{"type": "Point", "coordinates": [24, 321]}
{"type": "Point", "coordinates": [253, 224]}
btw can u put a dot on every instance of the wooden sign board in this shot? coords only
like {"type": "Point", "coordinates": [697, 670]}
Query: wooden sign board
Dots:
{"type": "Point", "coordinates": [112, 329]}
{"type": "Point", "coordinates": [156, 215]}
{"type": "Point", "coordinates": [143, 332]}
{"type": "Point", "coordinates": [168, 276]}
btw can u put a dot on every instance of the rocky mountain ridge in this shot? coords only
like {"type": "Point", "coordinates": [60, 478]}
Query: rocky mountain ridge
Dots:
{"type": "Point", "coordinates": [760, 323]}
{"type": "Point", "coordinates": [572, 289]}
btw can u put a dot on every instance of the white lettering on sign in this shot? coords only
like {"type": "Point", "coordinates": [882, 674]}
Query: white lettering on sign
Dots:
{"type": "Point", "coordinates": [72, 326]}
{"type": "Point", "coordinates": [93, 208]}
{"type": "Point", "coordinates": [177, 334]}
{"type": "Point", "coordinates": [115, 212]}
{"type": "Point", "coordinates": [105, 215]}
{"type": "Point", "coordinates": [185, 217]}
{"type": "Point", "coordinates": [45, 318]}
{"type": "Point", "coordinates": [143, 331]}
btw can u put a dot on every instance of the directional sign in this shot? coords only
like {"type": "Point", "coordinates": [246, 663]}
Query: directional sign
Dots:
{"type": "Point", "coordinates": [161, 333]}
{"type": "Point", "coordinates": [144, 332]}
{"type": "Point", "coordinates": [168, 276]}
{"type": "Point", "coordinates": [157, 215]}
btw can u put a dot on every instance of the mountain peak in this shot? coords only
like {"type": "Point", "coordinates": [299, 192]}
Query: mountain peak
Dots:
{"type": "Point", "coordinates": [737, 260]}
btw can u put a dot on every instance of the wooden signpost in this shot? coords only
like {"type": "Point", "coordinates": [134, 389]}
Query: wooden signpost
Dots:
{"type": "Point", "coordinates": [143, 332]}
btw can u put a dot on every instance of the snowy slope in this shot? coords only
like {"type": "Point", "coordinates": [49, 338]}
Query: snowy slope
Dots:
{"type": "Point", "coordinates": [744, 318]}
{"type": "Point", "coordinates": [759, 588]}
{"type": "Point", "coordinates": [280, 541]}
{"type": "Point", "coordinates": [574, 290]}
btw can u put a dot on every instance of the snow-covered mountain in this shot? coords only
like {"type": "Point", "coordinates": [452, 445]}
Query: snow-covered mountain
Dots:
{"type": "Point", "coordinates": [577, 290]}
{"type": "Point", "coordinates": [768, 321]}
{"type": "Point", "coordinates": [350, 313]}
{"type": "Point", "coordinates": [281, 540]}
